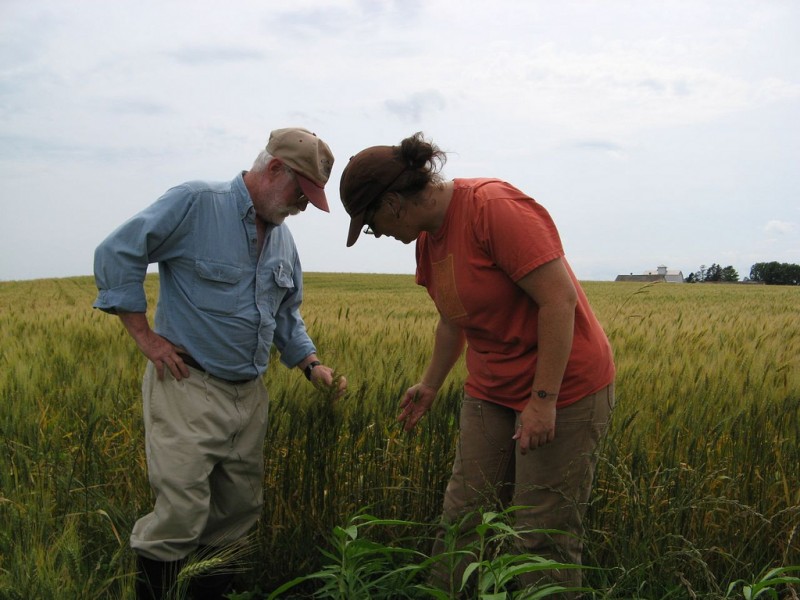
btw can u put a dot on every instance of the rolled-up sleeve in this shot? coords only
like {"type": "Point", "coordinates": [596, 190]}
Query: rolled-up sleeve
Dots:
{"type": "Point", "coordinates": [121, 260]}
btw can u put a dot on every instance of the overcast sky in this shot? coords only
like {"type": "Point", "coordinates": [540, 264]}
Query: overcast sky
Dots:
{"type": "Point", "coordinates": [655, 133]}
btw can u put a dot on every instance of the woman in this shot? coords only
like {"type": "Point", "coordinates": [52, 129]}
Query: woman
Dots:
{"type": "Point", "coordinates": [539, 389]}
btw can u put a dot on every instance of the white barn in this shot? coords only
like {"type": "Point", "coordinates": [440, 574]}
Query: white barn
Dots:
{"type": "Point", "coordinates": [660, 273]}
{"type": "Point", "coordinates": [670, 275]}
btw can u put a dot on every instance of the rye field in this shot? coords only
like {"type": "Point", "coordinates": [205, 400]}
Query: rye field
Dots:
{"type": "Point", "coordinates": [697, 493]}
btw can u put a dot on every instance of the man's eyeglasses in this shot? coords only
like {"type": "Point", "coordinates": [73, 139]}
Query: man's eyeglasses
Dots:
{"type": "Point", "coordinates": [301, 197]}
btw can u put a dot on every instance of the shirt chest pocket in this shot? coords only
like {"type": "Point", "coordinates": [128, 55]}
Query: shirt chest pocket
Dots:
{"type": "Point", "coordinates": [217, 287]}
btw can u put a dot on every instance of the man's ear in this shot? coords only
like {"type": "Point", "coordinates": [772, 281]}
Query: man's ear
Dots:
{"type": "Point", "coordinates": [275, 168]}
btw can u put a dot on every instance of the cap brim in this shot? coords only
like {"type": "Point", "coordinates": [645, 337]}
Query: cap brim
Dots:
{"type": "Point", "coordinates": [314, 192]}
{"type": "Point", "coordinates": [356, 225]}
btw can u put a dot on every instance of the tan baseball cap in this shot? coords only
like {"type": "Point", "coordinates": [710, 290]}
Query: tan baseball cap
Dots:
{"type": "Point", "coordinates": [308, 156]}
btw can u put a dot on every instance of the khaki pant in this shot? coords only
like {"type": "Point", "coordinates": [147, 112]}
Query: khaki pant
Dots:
{"type": "Point", "coordinates": [204, 440]}
{"type": "Point", "coordinates": [553, 482]}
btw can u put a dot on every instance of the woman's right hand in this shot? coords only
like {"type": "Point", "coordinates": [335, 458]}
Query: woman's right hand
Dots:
{"type": "Point", "coordinates": [415, 403]}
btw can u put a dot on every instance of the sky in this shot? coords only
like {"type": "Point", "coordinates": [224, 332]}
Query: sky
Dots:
{"type": "Point", "coordinates": [654, 132]}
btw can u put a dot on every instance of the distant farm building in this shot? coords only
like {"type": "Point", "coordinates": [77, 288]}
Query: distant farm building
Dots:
{"type": "Point", "coordinates": [660, 274]}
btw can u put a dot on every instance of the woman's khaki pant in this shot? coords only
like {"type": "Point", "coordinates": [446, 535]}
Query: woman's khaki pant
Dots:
{"type": "Point", "coordinates": [552, 482]}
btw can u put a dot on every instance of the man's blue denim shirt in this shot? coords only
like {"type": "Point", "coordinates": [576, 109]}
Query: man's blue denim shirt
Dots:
{"type": "Point", "coordinates": [219, 299]}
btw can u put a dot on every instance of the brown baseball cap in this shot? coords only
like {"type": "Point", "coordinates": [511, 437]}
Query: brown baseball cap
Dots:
{"type": "Point", "coordinates": [367, 176]}
{"type": "Point", "coordinates": [308, 156]}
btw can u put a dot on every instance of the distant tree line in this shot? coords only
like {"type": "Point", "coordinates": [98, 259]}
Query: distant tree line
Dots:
{"type": "Point", "coordinates": [713, 273]}
{"type": "Point", "coordinates": [770, 273]}
{"type": "Point", "coordinates": [775, 273]}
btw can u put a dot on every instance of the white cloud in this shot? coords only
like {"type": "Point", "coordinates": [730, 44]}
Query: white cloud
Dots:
{"type": "Point", "coordinates": [780, 227]}
{"type": "Point", "coordinates": [416, 105]}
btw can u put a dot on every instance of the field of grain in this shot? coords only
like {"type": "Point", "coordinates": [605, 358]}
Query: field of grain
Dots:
{"type": "Point", "coordinates": [697, 493]}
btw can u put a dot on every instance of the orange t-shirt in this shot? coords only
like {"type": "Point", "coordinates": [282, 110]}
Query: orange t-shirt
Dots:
{"type": "Point", "coordinates": [492, 236]}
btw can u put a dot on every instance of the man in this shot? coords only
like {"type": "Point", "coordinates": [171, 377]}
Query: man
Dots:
{"type": "Point", "coordinates": [230, 286]}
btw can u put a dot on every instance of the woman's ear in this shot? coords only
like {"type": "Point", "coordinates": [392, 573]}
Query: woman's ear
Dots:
{"type": "Point", "coordinates": [395, 202]}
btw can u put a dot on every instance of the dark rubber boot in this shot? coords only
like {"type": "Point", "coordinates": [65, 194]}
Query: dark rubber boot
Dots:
{"type": "Point", "coordinates": [156, 580]}
{"type": "Point", "coordinates": [213, 586]}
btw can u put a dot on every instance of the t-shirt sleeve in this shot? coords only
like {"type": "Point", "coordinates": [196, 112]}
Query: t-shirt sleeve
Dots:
{"type": "Point", "coordinates": [514, 230]}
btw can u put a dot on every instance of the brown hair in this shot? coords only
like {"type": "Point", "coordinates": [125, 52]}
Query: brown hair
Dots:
{"type": "Point", "coordinates": [423, 160]}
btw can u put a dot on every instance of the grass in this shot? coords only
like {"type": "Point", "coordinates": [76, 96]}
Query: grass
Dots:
{"type": "Point", "coordinates": [696, 496]}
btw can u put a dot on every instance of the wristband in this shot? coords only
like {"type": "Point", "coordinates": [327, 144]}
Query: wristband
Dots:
{"type": "Point", "coordinates": [310, 367]}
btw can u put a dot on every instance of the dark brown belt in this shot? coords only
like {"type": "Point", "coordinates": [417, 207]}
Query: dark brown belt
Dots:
{"type": "Point", "coordinates": [190, 361]}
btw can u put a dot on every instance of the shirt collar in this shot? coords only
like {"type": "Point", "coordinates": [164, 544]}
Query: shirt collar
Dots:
{"type": "Point", "coordinates": [243, 201]}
